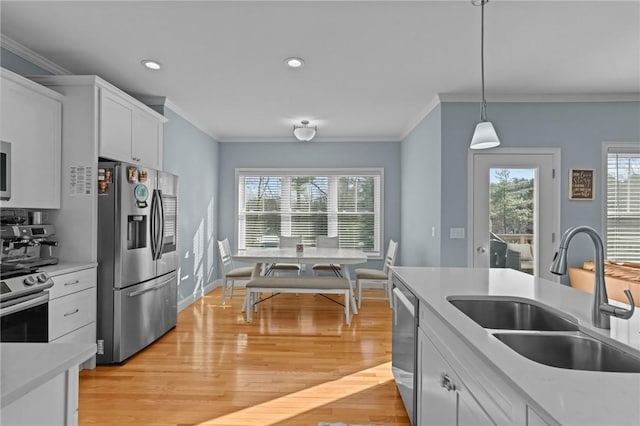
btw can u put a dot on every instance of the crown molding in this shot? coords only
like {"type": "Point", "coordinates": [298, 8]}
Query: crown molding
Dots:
{"type": "Point", "coordinates": [31, 56]}
{"type": "Point", "coordinates": [375, 139]}
{"type": "Point", "coordinates": [583, 97]}
{"type": "Point", "coordinates": [167, 103]}
{"type": "Point", "coordinates": [433, 104]}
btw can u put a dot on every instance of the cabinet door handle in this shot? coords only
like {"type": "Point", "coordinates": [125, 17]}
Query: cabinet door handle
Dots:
{"type": "Point", "coordinates": [446, 382]}
{"type": "Point", "coordinates": [72, 282]}
{"type": "Point", "coordinates": [75, 311]}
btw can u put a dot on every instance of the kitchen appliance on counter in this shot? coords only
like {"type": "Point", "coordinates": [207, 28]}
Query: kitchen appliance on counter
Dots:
{"type": "Point", "coordinates": [137, 257]}
{"type": "Point", "coordinates": [24, 301]}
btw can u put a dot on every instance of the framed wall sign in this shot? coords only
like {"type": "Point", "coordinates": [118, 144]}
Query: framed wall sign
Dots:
{"type": "Point", "coordinates": [581, 184]}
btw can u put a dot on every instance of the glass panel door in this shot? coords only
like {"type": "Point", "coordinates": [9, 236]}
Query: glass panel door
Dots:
{"type": "Point", "coordinates": [515, 211]}
{"type": "Point", "coordinates": [511, 218]}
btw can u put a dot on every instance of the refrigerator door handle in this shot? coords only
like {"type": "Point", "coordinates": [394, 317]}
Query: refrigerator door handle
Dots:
{"type": "Point", "coordinates": [152, 226]}
{"type": "Point", "coordinates": [160, 243]}
{"type": "Point", "coordinates": [146, 290]}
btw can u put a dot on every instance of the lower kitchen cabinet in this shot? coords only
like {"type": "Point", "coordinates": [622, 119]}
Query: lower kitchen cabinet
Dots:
{"type": "Point", "coordinates": [40, 383]}
{"type": "Point", "coordinates": [456, 387]}
{"type": "Point", "coordinates": [443, 397]}
{"type": "Point", "coordinates": [72, 308]}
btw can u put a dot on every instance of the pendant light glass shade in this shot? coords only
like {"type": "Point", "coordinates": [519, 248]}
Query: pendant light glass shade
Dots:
{"type": "Point", "coordinates": [305, 132]}
{"type": "Point", "coordinates": [485, 136]}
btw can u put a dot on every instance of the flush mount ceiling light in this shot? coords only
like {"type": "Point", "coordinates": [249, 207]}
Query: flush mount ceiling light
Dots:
{"type": "Point", "coordinates": [485, 135]}
{"type": "Point", "coordinates": [294, 62]}
{"type": "Point", "coordinates": [151, 64]}
{"type": "Point", "coordinates": [305, 132]}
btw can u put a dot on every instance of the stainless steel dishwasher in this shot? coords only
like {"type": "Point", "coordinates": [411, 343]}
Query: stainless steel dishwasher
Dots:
{"type": "Point", "coordinates": [404, 345]}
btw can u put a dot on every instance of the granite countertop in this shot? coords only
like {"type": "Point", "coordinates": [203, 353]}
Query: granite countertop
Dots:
{"type": "Point", "coordinates": [25, 366]}
{"type": "Point", "coordinates": [569, 396]}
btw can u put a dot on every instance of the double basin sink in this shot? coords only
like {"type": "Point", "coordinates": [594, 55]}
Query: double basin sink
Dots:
{"type": "Point", "coordinates": [544, 335]}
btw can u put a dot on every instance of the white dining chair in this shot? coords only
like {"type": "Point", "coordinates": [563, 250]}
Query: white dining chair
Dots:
{"type": "Point", "coordinates": [377, 277]}
{"type": "Point", "coordinates": [229, 272]}
{"type": "Point", "coordinates": [323, 241]}
{"type": "Point", "coordinates": [282, 268]}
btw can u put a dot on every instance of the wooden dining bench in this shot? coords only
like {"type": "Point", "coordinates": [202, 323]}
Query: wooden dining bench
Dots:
{"type": "Point", "coordinates": [320, 285]}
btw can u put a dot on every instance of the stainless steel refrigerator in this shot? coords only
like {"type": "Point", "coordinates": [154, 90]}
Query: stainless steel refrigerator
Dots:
{"type": "Point", "coordinates": [137, 256]}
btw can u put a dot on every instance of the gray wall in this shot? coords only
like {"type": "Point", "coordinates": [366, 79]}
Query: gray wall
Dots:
{"type": "Point", "coordinates": [311, 155]}
{"type": "Point", "coordinates": [15, 63]}
{"type": "Point", "coordinates": [421, 191]}
{"type": "Point", "coordinates": [193, 155]}
{"type": "Point", "coordinates": [578, 128]}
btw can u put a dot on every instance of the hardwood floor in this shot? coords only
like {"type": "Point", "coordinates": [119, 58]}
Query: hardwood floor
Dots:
{"type": "Point", "coordinates": [297, 363]}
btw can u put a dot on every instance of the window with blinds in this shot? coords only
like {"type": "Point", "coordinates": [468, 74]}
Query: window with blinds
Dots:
{"type": "Point", "coordinates": [623, 204]}
{"type": "Point", "coordinates": [309, 203]}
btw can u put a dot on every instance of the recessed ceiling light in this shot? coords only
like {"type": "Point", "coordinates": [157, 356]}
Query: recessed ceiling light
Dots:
{"type": "Point", "coordinates": [151, 64]}
{"type": "Point", "coordinates": [294, 62]}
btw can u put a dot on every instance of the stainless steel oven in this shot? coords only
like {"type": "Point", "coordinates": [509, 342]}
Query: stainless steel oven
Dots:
{"type": "Point", "coordinates": [24, 308]}
{"type": "Point", "coordinates": [404, 345]}
{"type": "Point", "coordinates": [5, 170]}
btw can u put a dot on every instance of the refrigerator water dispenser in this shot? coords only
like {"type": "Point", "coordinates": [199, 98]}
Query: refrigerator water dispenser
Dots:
{"type": "Point", "coordinates": [136, 231]}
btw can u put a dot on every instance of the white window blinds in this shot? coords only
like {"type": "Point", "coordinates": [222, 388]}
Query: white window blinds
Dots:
{"type": "Point", "coordinates": [623, 204]}
{"type": "Point", "coordinates": [339, 203]}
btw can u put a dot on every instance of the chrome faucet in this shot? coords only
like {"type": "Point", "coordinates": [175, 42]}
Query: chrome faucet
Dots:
{"type": "Point", "coordinates": [601, 309]}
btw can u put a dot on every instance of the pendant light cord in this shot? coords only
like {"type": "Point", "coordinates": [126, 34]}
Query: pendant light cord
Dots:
{"type": "Point", "coordinates": [483, 108]}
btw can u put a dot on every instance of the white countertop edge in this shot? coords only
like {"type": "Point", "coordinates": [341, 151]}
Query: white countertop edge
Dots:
{"type": "Point", "coordinates": [569, 396]}
{"type": "Point", "coordinates": [25, 366]}
{"type": "Point", "coordinates": [66, 267]}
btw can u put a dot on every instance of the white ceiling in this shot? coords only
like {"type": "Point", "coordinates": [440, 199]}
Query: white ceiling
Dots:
{"type": "Point", "coordinates": [373, 68]}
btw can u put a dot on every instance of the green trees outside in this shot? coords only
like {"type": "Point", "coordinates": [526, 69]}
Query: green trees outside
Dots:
{"type": "Point", "coordinates": [511, 203]}
{"type": "Point", "coordinates": [310, 205]}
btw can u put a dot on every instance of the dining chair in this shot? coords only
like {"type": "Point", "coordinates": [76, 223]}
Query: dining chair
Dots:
{"type": "Point", "coordinates": [323, 241]}
{"type": "Point", "coordinates": [377, 276]}
{"type": "Point", "coordinates": [279, 268]}
{"type": "Point", "coordinates": [229, 272]}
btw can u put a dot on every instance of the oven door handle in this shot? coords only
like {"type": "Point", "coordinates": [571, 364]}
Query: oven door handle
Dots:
{"type": "Point", "coordinates": [399, 297]}
{"type": "Point", "coordinates": [18, 306]}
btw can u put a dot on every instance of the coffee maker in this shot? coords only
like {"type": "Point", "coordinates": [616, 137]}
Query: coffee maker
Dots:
{"type": "Point", "coordinates": [25, 247]}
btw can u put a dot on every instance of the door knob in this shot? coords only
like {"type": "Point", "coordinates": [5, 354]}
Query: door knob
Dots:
{"type": "Point", "coordinates": [481, 249]}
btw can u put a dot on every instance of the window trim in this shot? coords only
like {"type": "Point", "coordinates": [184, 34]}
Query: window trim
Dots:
{"type": "Point", "coordinates": [611, 148]}
{"type": "Point", "coordinates": [335, 171]}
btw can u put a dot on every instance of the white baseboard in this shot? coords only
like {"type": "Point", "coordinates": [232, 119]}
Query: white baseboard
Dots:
{"type": "Point", "coordinates": [184, 303]}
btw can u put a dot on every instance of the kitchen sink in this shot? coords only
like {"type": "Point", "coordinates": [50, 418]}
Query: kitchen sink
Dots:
{"type": "Point", "coordinates": [508, 314]}
{"type": "Point", "coordinates": [570, 351]}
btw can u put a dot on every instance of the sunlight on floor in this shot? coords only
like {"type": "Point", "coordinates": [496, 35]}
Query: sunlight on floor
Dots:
{"type": "Point", "coordinates": [285, 407]}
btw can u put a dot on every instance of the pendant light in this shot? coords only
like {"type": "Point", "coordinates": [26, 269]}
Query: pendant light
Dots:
{"type": "Point", "coordinates": [485, 135]}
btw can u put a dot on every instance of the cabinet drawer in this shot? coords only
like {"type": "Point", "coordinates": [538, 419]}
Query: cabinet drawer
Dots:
{"type": "Point", "coordinates": [71, 312]}
{"type": "Point", "coordinates": [72, 283]}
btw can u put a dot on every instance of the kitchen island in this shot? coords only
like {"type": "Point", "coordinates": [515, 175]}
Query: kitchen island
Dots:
{"type": "Point", "coordinates": [489, 383]}
{"type": "Point", "coordinates": [40, 382]}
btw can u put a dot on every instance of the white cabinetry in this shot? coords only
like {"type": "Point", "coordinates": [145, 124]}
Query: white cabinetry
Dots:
{"type": "Point", "coordinates": [98, 120]}
{"type": "Point", "coordinates": [456, 387]}
{"type": "Point", "coordinates": [32, 122]}
{"type": "Point", "coordinates": [444, 399]}
{"type": "Point", "coordinates": [40, 383]}
{"type": "Point", "coordinates": [72, 308]}
{"type": "Point", "coordinates": [129, 133]}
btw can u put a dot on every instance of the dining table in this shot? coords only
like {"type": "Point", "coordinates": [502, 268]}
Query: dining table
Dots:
{"type": "Point", "coordinates": [262, 257]}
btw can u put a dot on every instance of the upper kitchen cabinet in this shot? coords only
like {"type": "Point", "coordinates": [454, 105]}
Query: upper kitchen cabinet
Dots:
{"type": "Point", "coordinates": [31, 121]}
{"type": "Point", "coordinates": [99, 120]}
{"type": "Point", "coordinates": [129, 133]}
